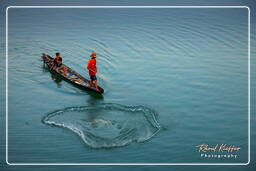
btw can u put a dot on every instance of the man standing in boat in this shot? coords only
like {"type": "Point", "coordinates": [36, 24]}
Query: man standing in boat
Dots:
{"type": "Point", "coordinates": [92, 68]}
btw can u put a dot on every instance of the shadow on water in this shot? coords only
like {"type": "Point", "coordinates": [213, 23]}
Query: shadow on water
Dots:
{"type": "Point", "coordinates": [56, 79]}
{"type": "Point", "coordinates": [93, 101]}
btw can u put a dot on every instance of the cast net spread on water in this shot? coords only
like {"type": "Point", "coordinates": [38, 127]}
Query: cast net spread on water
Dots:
{"type": "Point", "coordinates": [107, 125]}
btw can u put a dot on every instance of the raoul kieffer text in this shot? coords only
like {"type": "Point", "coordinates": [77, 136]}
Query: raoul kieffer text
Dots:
{"type": "Point", "coordinates": [217, 148]}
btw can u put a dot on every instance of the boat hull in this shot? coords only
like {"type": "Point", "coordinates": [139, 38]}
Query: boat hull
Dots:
{"type": "Point", "coordinates": [71, 76]}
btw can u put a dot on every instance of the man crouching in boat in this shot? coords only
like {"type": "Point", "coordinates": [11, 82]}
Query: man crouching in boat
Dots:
{"type": "Point", "coordinates": [57, 62]}
{"type": "Point", "coordinates": [92, 68]}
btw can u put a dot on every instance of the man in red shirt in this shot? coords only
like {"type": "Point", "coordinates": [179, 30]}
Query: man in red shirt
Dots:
{"type": "Point", "coordinates": [92, 68]}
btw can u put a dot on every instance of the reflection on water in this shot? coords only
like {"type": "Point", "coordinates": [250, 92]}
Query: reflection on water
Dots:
{"type": "Point", "coordinates": [107, 125]}
{"type": "Point", "coordinates": [56, 79]}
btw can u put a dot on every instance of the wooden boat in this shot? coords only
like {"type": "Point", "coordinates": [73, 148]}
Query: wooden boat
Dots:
{"type": "Point", "coordinates": [71, 76]}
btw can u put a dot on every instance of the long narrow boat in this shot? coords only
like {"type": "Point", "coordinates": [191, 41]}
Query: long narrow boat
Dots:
{"type": "Point", "coordinates": [71, 76]}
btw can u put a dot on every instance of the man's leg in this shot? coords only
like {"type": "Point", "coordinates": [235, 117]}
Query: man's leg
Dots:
{"type": "Point", "coordinates": [91, 83]}
{"type": "Point", "coordinates": [57, 69]}
{"type": "Point", "coordinates": [62, 69]}
{"type": "Point", "coordinates": [96, 85]}
{"type": "Point", "coordinates": [65, 70]}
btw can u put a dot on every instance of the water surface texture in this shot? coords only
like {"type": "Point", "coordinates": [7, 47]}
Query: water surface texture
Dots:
{"type": "Point", "coordinates": [190, 66]}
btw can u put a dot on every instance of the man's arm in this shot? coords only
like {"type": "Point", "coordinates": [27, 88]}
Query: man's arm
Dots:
{"type": "Point", "coordinates": [92, 70]}
{"type": "Point", "coordinates": [89, 67]}
{"type": "Point", "coordinates": [53, 64]}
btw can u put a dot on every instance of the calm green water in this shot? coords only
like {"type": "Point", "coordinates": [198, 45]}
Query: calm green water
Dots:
{"type": "Point", "coordinates": [188, 68]}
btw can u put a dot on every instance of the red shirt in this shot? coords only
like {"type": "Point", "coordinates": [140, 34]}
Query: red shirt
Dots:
{"type": "Point", "coordinates": [92, 67]}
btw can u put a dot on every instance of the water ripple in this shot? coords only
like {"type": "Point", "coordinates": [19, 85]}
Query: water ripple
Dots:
{"type": "Point", "coordinates": [107, 125]}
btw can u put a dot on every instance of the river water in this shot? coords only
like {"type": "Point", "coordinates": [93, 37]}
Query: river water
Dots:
{"type": "Point", "coordinates": [173, 79]}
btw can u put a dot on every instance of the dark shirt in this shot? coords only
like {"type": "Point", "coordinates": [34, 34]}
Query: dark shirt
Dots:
{"type": "Point", "coordinates": [57, 61]}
